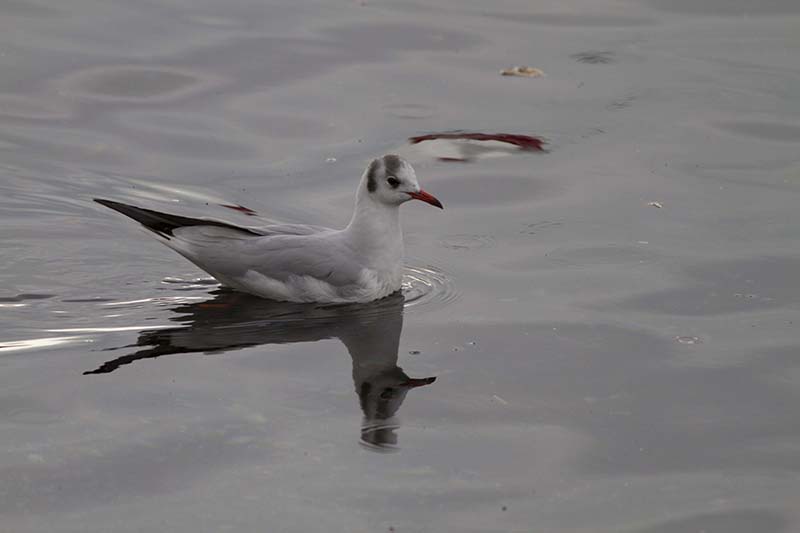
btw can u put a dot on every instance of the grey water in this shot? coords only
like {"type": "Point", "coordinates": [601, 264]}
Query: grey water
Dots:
{"type": "Point", "coordinates": [602, 336]}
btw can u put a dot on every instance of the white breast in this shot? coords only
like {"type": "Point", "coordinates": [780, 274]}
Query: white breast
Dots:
{"type": "Point", "coordinates": [371, 285]}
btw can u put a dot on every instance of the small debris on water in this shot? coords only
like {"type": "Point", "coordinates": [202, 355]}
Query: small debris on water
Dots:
{"type": "Point", "coordinates": [498, 399]}
{"type": "Point", "coordinates": [656, 204]}
{"type": "Point", "coordinates": [330, 160]}
{"type": "Point", "coordinates": [472, 343]}
{"type": "Point", "coordinates": [522, 71]}
{"type": "Point", "coordinates": [688, 340]}
{"type": "Point", "coordinates": [414, 352]}
{"type": "Point", "coordinates": [504, 508]}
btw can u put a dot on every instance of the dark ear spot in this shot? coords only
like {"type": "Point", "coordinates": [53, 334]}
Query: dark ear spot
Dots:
{"type": "Point", "coordinates": [372, 175]}
{"type": "Point", "coordinates": [392, 163]}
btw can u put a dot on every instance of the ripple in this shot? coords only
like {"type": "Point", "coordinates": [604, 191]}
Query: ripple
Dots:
{"type": "Point", "coordinates": [110, 329]}
{"type": "Point", "coordinates": [380, 436]}
{"type": "Point", "coordinates": [423, 285]}
{"type": "Point", "coordinates": [426, 286]}
{"type": "Point", "coordinates": [594, 57]}
{"type": "Point", "coordinates": [193, 284]}
{"type": "Point", "coordinates": [160, 301]}
{"type": "Point", "coordinates": [26, 296]}
{"type": "Point", "coordinates": [134, 83]}
{"type": "Point", "coordinates": [38, 344]}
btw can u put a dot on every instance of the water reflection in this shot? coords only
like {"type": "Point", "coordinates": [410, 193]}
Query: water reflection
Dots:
{"type": "Point", "coordinates": [231, 321]}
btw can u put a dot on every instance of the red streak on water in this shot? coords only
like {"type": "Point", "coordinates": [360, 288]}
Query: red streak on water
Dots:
{"type": "Point", "coordinates": [526, 143]}
{"type": "Point", "coordinates": [242, 209]}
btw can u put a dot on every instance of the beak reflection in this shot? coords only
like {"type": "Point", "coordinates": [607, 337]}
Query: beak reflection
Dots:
{"type": "Point", "coordinates": [232, 321]}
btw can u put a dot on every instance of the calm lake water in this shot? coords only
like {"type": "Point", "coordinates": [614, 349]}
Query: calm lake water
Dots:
{"type": "Point", "coordinates": [612, 323]}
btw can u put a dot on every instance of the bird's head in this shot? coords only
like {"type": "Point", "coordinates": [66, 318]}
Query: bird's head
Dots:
{"type": "Point", "coordinates": [391, 180]}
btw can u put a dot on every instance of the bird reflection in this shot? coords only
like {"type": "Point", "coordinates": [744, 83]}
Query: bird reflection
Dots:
{"type": "Point", "coordinates": [231, 321]}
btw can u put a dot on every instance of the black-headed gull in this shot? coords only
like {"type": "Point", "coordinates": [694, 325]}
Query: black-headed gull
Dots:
{"type": "Point", "coordinates": [298, 263]}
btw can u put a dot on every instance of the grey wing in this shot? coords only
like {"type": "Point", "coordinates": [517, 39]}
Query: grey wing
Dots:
{"type": "Point", "coordinates": [321, 255]}
{"type": "Point", "coordinates": [291, 229]}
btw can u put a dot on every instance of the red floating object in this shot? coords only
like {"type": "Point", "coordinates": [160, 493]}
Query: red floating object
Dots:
{"type": "Point", "coordinates": [242, 209]}
{"type": "Point", "coordinates": [527, 143]}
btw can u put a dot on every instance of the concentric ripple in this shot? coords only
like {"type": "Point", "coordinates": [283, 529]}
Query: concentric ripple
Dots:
{"type": "Point", "coordinates": [182, 284]}
{"type": "Point", "coordinates": [427, 286]}
{"type": "Point", "coordinates": [423, 286]}
{"type": "Point", "coordinates": [379, 436]}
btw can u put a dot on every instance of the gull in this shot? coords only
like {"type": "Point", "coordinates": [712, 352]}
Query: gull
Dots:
{"type": "Point", "coordinates": [300, 263]}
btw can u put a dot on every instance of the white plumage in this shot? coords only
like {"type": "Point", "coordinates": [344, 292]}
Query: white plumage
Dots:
{"type": "Point", "coordinates": [297, 263]}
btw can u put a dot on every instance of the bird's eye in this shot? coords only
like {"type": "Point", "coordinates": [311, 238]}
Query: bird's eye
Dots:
{"type": "Point", "coordinates": [393, 182]}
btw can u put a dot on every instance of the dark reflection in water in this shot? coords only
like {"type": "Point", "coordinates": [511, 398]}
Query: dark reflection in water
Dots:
{"type": "Point", "coordinates": [594, 57]}
{"type": "Point", "coordinates": [231, 321]}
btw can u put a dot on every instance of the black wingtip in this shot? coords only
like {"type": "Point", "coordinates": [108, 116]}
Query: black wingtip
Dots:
{"type": "Point", "coordinates": [111, 204]}
{"type": "Point", "coordinates": [163, 223]}
{"type": "Point", "coordinates": [107, 203]}
{"type": "Point", "coordinates": [153, 220]}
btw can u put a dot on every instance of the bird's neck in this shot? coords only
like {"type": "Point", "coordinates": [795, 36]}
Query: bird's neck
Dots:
{"type": "Point", "coordinates": [375, 232]}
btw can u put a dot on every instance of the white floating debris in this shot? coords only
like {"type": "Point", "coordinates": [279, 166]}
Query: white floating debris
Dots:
{"type": "Point", "coordinates": [498, 399]}
{"type": "Point", "coordinates": [688, 340]}
{"type": "Point", "coordinates": [656, 204]}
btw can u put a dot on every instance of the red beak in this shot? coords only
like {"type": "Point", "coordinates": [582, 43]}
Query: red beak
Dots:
{"type": "Point", "coordinates": [413, 383]}
{"type": "Point", "coordinates": [427, 198]}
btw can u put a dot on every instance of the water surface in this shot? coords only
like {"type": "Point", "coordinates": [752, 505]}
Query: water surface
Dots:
{"type": "Point", "coordinates": [601, 364]}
